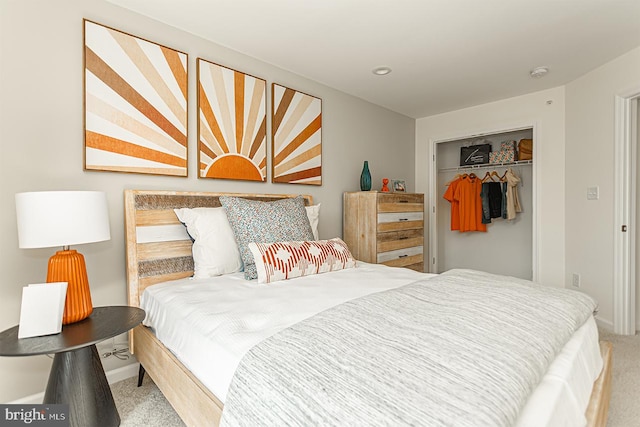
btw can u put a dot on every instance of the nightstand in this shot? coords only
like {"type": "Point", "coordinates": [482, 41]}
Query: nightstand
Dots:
{"type": "Point", "coordinates": [77, 376]}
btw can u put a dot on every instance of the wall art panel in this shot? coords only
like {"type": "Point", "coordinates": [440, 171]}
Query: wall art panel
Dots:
{"type": "Point", "coordinates": [135, 96]}
{"type": "Point", "coordinates": [232, 128]}
{"type": "Point", "coordinates": [296, 128]}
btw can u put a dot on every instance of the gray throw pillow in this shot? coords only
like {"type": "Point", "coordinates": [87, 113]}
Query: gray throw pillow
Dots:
{"type": "Point", "coordinates": [282, 220]}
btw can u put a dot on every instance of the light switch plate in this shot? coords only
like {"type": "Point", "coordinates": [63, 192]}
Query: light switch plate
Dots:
{"type": "Point", "coordinates": [593, 193]}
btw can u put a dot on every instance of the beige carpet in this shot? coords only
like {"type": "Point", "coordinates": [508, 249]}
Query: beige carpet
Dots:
{"type": "Point", "coordinates": [143, 406]}
{"type": "Point", "coordinates": [624, 409]}
{"type": "Point", "coordinates": [147, 407]}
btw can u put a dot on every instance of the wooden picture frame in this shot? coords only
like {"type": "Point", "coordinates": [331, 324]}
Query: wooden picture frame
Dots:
{"type": "Point", "coordinates": [296, 137]}
{"type": "Point", "coordinates": [135, 104]}
{"type": "Point", "coordinates": [398, 186]}
{"type": "Point", "coordinates": [232, 124]}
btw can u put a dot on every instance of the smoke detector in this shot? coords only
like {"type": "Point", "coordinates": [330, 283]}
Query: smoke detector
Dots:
{"type": "Point", "coordinates": [538, 72]}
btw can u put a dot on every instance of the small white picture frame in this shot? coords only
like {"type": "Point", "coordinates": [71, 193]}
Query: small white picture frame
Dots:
{"type": "Point", "coordinates": [42, 309]}
{"type": "Point", "coordinates": [398, 186]}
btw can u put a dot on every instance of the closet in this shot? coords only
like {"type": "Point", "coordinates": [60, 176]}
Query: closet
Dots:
{"type": "Point", "coordinates": [507, 245]}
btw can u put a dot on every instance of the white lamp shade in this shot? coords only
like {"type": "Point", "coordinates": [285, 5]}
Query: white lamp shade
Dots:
{"type": "Point", "coordinates": [61, 218]}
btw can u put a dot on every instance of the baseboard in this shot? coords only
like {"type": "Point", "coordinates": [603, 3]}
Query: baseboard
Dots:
{"type": "Point", "coordinates": [123, 373]}
{"type": "Point", "coordinates": [604, 324]}
{"type": "Point", "coordinates": [113, 376]}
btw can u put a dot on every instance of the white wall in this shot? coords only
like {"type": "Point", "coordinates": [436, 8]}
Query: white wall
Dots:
{"type": "Point", "coordinates": [590, 162]}
{"type": "Point", "coordinates": [544, 110]}
{"type": "Point", "coordinates": [41, 147]}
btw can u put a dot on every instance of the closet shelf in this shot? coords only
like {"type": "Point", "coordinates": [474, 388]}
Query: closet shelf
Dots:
{"type": "Point", "coordinates": [488, 165]}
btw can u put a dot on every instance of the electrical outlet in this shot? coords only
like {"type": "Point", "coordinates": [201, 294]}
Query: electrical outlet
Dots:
{"type": "Point", "coordinates": [576, 280]}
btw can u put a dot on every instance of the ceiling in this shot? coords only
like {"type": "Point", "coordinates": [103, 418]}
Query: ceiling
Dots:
{"type": "Point", "coordinates": [445, 54]}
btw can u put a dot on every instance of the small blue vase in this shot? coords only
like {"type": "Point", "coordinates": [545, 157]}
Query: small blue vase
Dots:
{"type": "Point", "coordinates": [365, 177]}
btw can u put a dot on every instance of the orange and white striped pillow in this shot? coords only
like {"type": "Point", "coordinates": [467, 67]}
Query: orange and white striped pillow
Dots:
{"type": "Point", "coordinates": [286, 260]}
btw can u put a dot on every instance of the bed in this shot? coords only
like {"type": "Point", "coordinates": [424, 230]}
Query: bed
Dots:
{"type": "Point", "coordinates": [159, 250]}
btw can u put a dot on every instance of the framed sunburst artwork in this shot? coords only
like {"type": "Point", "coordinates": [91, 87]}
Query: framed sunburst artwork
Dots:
{"type": "Point", "coordinates": [135, 97]}
{"type": "Point", "coordinates": [232, 128]}
{"type": "Point", "coordinates": [296, 129]}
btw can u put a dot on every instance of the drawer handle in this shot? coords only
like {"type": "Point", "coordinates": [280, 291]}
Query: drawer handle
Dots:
{"type": "Point", "coordinates": [403, 201]}
{"type": "Point", "coordinates": [402, 256]}
{"type": "Point", "coordinates": [403, 219]}
{"type": "Point", "coordinates": [403, 238]}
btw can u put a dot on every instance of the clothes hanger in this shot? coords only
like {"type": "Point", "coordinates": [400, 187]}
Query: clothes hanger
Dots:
{"type": "Point", "coordinates": [457, 176]}
{"type": "Point", "coordinates": [496, 174]}
{"type": "Point", "coordinates": [486, 177]}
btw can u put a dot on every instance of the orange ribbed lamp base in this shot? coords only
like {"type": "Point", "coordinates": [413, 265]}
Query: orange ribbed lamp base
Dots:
{"type": "Point", "coordinates": [68, 266]}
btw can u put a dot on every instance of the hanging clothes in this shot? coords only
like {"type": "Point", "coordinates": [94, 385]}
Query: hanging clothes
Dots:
{"type": "Point", "coordinates": [468, 196]}
{"type": "Point", "coordinates": [455, 205]}
{"type": "Point", "coordinates": [491, 196]}
{"type": "Point", "coordinates": [505, 185]}
{"type": "Point", "coordinates": [495, 199]}
{"type": "Point", "coordinates": [513, 202]}
{"type": "Point", "coordinates": [484, 196]}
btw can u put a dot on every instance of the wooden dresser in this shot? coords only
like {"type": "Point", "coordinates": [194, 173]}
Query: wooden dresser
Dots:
{"type": "Point", "coordinates": [385, 228]}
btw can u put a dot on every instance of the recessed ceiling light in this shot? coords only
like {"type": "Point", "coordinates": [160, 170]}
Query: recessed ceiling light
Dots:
{"type": "Point", "coordinates": [381, 71]}
{"type": "Point", "coordinates": [538, 72]}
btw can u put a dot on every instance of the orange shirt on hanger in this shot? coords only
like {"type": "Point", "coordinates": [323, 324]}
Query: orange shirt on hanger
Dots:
{"type": "Point", "coordinates": [467, 194]}
{"type": "Point", "coordinates": [455, 205]}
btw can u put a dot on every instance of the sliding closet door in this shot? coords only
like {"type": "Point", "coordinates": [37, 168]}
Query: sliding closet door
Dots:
{"type": "Point", "coordinates": [507, 245]}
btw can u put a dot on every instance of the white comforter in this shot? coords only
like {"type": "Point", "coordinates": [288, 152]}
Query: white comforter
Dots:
{"type": "Point", "coordinates": [210, 324]}
{"type": "Point", "coordinates": [216, 321]}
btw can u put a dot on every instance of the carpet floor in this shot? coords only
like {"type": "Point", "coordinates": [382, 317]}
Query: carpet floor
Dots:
{"type": "Point", "coordinates": [146, 407]}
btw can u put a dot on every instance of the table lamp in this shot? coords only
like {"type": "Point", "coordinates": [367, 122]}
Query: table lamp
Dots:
{"type": "Point", "coordinates": [63, 218]}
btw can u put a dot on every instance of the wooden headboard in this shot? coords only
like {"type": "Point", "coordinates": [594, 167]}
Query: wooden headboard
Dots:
{"type": "Point", "coordinates": [158, 245]}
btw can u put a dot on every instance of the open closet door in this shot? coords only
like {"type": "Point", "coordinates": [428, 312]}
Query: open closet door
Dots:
{"type": "Point", "coordinates": [502, 241]}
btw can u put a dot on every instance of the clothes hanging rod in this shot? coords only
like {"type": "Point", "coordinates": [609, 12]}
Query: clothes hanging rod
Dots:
{"type": "Point", "coordinates": [488, 165]}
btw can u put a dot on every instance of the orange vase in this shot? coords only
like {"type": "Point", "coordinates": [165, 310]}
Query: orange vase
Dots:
{"type": "Point", "coordinates": [68, 266]}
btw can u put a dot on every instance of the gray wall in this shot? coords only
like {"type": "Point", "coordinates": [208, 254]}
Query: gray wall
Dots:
{"type": "Point", "coordinates": [41, 147]}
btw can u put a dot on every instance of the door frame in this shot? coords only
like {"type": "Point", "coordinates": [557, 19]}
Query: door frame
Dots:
{"type": "Point", "coordinates": [624, 249]}
{"type": "Point", "coordinates": [432, 261]}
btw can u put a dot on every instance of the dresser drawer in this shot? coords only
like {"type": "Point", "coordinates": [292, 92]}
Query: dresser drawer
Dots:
{"type": "Point", "coordinates": [400, 198]}
{"type": "Point", "coordinates": [413, 262]}
{"type": "Point", "coordinates": [396, 202]}
{"type": "Point", "coordinates": [400, 216]}
{"type": "Point", "coordinates": [398, 255]}
{"type": "Point", "coordinates": [399, 240]}
{"type": "Point", "coordinates": [417, 267]}
{"type": "Point", "coordinates": [399, 221]}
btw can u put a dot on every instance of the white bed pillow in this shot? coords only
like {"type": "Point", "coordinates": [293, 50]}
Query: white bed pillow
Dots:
{"type": "Point", "coordinates": [286, 260]}
{"type": "Point", "coordinates": [215, 251]}
{"type": "Point", "coordinates": [313, 212]}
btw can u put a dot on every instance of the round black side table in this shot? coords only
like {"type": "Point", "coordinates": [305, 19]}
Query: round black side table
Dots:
{"type": "Point", "coordinates": [77, 376]}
